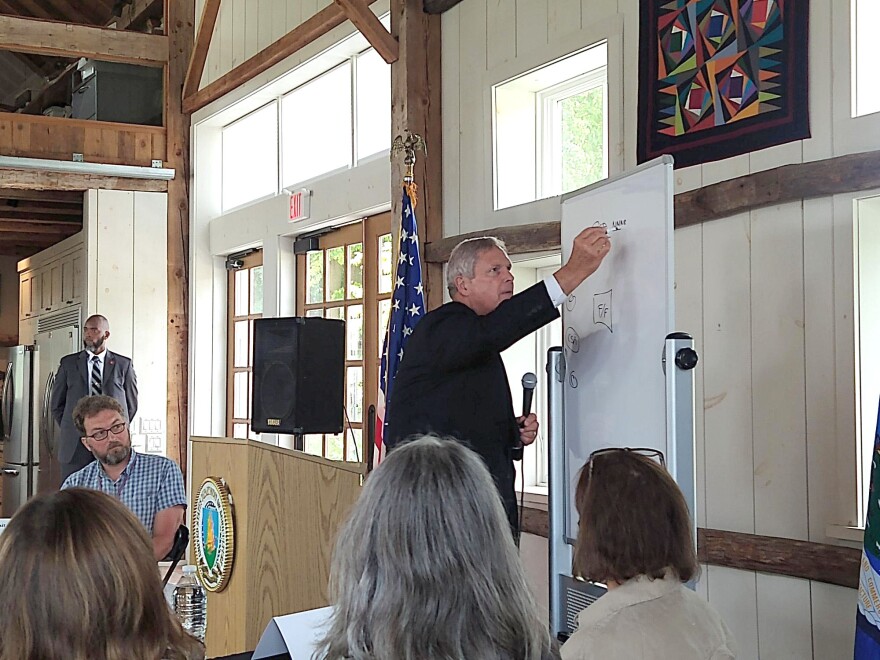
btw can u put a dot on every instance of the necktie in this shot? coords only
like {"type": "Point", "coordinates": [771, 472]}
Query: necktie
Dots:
{"type": "Point", "coordinates": [96, 375]}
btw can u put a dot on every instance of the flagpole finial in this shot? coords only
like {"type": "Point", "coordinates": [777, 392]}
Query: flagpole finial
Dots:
{"type": "Point", "coordinates": [408, 145]}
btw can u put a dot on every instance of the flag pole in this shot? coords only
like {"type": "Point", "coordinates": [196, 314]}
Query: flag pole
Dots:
{"type": "Point", "coordinates": [408, 296]}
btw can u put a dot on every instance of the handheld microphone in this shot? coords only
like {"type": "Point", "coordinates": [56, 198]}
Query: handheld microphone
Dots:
{"type": "Point", "coordinates": [529, 381]}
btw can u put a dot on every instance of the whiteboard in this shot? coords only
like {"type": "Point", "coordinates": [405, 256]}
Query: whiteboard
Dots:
{"type": "Point", "coordinates": [615, 323]}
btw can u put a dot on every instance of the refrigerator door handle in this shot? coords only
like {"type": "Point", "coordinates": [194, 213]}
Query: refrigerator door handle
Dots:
{"type": "Point", "coordinates": [11, 473]}
{"type": "Point", "coordinates": [6, 404]}
{"type": "Point", "coordinates": [47, 426]}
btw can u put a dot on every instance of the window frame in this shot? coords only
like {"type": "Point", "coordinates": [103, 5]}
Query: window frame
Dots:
{"type": "Point", "coordinates": [249, 262]}
{"type": "Point", "coordinates": [367, 232]}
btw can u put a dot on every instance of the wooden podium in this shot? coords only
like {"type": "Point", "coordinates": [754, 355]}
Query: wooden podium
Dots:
{"type": "Point", "coordinates": [287, 508]}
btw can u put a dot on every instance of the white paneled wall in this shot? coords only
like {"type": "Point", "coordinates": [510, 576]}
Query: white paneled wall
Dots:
{"type": "Point", "coordinates": [126, 245]}
{"type": "Point", "coordinates": [766, 294]}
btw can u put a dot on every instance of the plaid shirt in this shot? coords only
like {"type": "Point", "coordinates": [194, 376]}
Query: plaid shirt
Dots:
{"type": "Point", "coordinates": [147, 485]}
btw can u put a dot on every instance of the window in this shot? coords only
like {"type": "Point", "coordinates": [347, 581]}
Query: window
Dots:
{"type": "Point", "coordinates": [550, 128]}
{"type": "Point", "coordinates": [866, 56]}
{"type": "Point", "coordinates": [250, 157]}
{"type": "Point", "coordinates": [867, 325]}
{"type": "Point", "coordinates": [349, 277]}
{"type": "Point", "coordinates": [373, 97]}
{"type": "Point", "coordinates": [530, 354]}
{"type": "Point", "coordinates": [317, 126]}
{"type": "Point", "coordinates": [244, 304]}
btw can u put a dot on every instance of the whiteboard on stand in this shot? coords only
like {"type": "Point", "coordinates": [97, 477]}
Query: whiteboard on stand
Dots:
{"type": "Point", "coordinates": [615, 323]}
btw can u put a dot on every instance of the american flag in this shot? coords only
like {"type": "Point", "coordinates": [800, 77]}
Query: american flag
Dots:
{"type": "Point", "coordinates": [407, 309]}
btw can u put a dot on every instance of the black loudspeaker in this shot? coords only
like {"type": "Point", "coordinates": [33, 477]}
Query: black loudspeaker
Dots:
{"type": "Point", "coordinates": [299, 368]}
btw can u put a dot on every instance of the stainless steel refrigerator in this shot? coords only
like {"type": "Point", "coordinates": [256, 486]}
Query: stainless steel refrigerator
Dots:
{"type": "Point", "coordinates": [19, 472]}
{"type": "Point", "coordinates": [52, 345]}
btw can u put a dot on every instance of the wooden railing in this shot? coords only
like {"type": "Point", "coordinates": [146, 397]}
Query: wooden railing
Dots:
{"type": "Point", "coordinates": [58, 138]}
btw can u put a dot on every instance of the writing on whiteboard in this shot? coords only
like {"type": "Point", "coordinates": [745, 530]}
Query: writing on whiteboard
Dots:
{"type": "Point", "coordinates": [572, 341]}
{"type": "Point", "coordinates": [602, 309]}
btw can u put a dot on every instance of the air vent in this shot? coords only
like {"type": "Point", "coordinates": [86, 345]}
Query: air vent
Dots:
{"type": "Point", "coordinates": [63, 319]}
{"type": "Point", "coordinates": [577, 595]}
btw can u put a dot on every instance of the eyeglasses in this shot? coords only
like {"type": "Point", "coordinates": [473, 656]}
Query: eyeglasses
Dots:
{"type": "Point", "coordinates": [653, 454]}
{"type": "Point", "coordinates": [101, 434]}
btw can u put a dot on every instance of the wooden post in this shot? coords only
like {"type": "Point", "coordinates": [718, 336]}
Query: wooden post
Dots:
{"type": "Point", "coordinates": [415, 107]}
{"type": "Point", "coordinates": [180, 26]}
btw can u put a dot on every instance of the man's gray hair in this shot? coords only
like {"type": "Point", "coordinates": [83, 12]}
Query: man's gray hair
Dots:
{"type": "Point", "coordinates": [425, 566]}
{"type": "Point", "coordinates": [464, 257]}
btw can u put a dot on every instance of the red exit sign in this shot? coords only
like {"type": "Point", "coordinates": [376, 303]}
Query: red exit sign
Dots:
{"type": "Point", "coordinates": [299, 204]}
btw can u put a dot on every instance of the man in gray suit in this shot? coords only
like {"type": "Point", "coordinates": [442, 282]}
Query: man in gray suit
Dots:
{"type": "Point", "coordinates": [94, 370]}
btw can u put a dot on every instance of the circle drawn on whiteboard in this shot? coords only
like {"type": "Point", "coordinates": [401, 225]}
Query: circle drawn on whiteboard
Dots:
{"type": "Point", "coordinates": [572, 381]}
{"type": "Point", "coordinates": [571, 302]}
{"type": "Point", "coordinates": [602, 311]}
{"type": "Point", "coordinates": [572, 341]}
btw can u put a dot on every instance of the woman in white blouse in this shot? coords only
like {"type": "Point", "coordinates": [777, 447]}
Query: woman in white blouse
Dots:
{"type": "Point", "coordinates": [634, 535]}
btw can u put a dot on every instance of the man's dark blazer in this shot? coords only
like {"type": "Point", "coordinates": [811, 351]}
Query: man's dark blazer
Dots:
{"type": "Point", "coordinates": [452, 380]}
{"type": "Point", "coordinates": [72, 384]}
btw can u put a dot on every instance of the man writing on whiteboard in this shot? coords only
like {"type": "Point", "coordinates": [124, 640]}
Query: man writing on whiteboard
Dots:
{"type": "Point", "coordinates": [451, 380]}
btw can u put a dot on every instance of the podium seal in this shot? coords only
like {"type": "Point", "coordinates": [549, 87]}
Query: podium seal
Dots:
{"type": "Point", "coordinates": [213, 533]}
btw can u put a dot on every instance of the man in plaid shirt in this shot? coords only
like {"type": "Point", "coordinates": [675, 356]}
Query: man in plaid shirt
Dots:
{"type": "Point", "coordinates": [151, 486]}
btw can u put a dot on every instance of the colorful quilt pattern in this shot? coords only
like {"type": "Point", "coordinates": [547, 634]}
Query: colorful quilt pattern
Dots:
{"type": "Point", "coordinates": [721, 77]}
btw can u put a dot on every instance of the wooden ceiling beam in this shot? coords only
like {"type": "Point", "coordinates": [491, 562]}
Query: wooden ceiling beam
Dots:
{"type": "Point", "coordinates": [196, 66]}
{"type": "Point", "coordinates": [371, 27]}
{"type": "Point", "coordinates": [69, 11]}
{"type": "Point", "coordinates": [43, 180]}
{"type": "Point", "coordinates": [36, 10]}
{"type": "Point", "coordinates": [54, 196]}
{"type": "Point", "coordinates": [28, 238]}
{"type": "Point", "coordinates": [41, 213]}
{"type": "Point", "coordinates": [439, 6]}
{"type": "Point", "coordinates": [136, 12]}
{"type": "Point", "coordinates": [41, 37]}
{"type": "Point", "coordinates": [63, 229]}
{"type": "Point", "coordinates": [299, 37]}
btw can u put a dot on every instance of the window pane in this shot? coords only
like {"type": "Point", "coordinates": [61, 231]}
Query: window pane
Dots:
{"type": "Point", "coordinates": [356, 270]}
{"type": "Point", "coordinates": [334, 447]}
{"type": "Point", "coordinates": [354, 445]}
{"type": "Point", "coordinates": [316, 121]}
{"type": "Point", "coordinates": [240, 431]}
{"type": "Point", "coordinates": [313, 444]}
{"type": "Point", "coordinates": [240, 408]}
{"type": "Point", "coordinates": [336, 273]}
{"type": "Point", "coordinates": [250, 354]}
{"type": "Point", "coordinates": [250, 157]}
{"type": "Point", "coordinates": [583, 139]}
{"type": "Point", "coordinates": [354, 331]}
{"type": "Point", "coordinates": [315, 276]}
{"type": "Point", "coordinates": [317, 313]}
{"type": "Point", "coordinates": [385, 255]}
{"type": "Point", "coordinates": [335, 313]}
{"type": "Point", "coordinates": [384, 312]}
{"type": "Point", "coordinates": [241, 292]}
{"type": "Point", "coordinates": [373, 86]}
{"type": "Point", "coordinates": [241, 346]}
{"type": "Point", "coordinates": [257, 290]}
{"type": "Point", "coordinates": [354, 393]}
{"type": "Point", "coordinates": [867, 56]}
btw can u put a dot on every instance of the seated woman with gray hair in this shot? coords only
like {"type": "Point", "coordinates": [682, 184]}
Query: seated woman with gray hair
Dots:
{"type": "Point", "coordinates": [425, 567]}
{"type": "Point", "coordinates": [634, 535]}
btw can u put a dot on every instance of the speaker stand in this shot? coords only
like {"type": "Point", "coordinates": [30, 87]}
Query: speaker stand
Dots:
{"type": "Point", "coordinates": [298, 442]}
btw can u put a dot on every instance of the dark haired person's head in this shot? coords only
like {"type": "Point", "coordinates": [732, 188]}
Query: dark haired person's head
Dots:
{"type": "Point", "coordinates": [425, 566]}
{"type": "Point", "coordinates": [78, 582]}
{"type": "Point", "coordinates": [633, 520]}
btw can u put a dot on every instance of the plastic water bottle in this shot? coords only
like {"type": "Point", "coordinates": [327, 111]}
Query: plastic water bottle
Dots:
{"type": "Point", "coordinates": [191, 604]}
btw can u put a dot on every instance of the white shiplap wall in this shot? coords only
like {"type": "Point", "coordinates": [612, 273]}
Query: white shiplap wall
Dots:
{"type": "Point", "coordinates": [767, 295]}
{"type": "Point", "coordinates": [126, 244]}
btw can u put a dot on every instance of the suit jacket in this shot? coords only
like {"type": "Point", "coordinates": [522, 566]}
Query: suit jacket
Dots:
{"type": "Point", "coordinates": [72, 384]}
{"type": "Point", "coordinates": [452, 381]}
